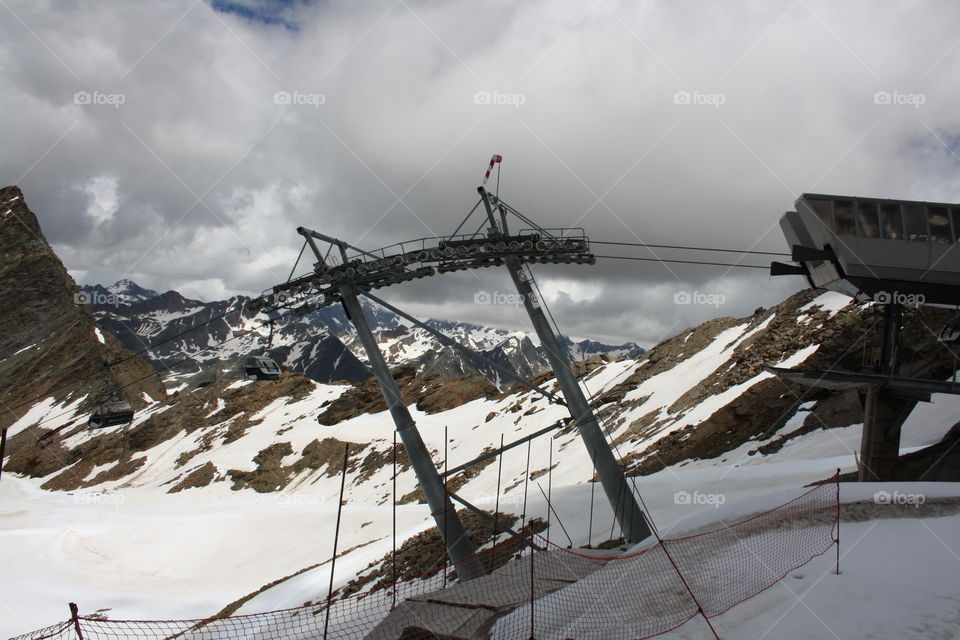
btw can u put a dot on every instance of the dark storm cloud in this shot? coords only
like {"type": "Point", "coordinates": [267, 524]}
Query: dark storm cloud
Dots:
{"type": "Point", "coordinates": [180, 144]}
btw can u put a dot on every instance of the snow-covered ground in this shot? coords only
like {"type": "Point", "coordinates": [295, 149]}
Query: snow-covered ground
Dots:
{"type": "Point", "coordinates": [899, 578]}
{"type": "Point", "coordinates": [145, 557]}
{"type": "Point", "coordinates": [139, 552]}
{"type": "Point", "coordinates": [144, 554]}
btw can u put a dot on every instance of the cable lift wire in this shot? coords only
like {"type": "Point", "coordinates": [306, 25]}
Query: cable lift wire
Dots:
{"type": "Point", "coordinates": [688, 248]}
{"type": "Point", "coordinates": [299, 255]}
{"type": "Point", "coordinates": [698, 262]}
{"type": "Point", "coordinates": [464, 221]}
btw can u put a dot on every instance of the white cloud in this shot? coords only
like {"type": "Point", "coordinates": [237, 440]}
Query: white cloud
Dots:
{"type": "Point", "coordinates": [211, 175]}
{"type": "Point", "coordinates": [103, 198]}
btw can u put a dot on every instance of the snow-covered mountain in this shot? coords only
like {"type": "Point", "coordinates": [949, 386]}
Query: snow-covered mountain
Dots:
{"type": "Point", "coordinates": [123, 291]}
{"type": "Point", "coordinates": [323, 345]}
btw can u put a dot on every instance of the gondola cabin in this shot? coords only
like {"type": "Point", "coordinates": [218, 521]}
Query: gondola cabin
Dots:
{"type": "Point", "coordinates": [261, 368]}
{"type": "Point", "coordinates": [951, 332]}
{"type": "Point", "coordinates": [111, 414]}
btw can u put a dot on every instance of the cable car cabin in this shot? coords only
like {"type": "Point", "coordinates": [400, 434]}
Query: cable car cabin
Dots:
{"type": "Point", "coordinates": [261, 368]}
{"type": "Point", "coordinates": [950, 332]}
{"type": "Point", "coordinates": [888, 250]}
{"type": "Point", "coordinates": [111, 414]}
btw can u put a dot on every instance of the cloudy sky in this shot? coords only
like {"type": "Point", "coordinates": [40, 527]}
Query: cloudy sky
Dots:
{"type": "Point", "coordinates": [180, 143]}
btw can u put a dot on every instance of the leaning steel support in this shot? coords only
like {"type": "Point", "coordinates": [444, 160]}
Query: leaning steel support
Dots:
{"type": "Point", "coordinates": [459, 547]}
{"type": "Point", "coordinates": [622, 500]}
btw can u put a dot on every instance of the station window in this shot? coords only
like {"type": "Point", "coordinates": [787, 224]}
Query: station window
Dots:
{"type": "Point", "coordinates": [823, 210]}
{"type": "Point", "coordinates": [892, 222]}
{"type": "Point", "coordinates": [868, 225]}
{"type": "Point", "coordinates": [843, 210]}
{"type": "Point", "coordinates": [939, 224]}
{"type": "Point", "coordinates": [915, 222]}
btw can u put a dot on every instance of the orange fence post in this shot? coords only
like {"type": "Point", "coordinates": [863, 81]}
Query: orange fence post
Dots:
{"type": "Point", "coordinates": [837, 537]}
{"type": "Point", "coordinates": [336, 538]}
{"type": "Point", "coordinates": [75, 619]}
{"type": "Point", "coordinates": [533, 553]}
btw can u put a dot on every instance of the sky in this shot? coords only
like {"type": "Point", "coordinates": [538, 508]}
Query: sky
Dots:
{"type": "Point", "coordinates": [180, 144]}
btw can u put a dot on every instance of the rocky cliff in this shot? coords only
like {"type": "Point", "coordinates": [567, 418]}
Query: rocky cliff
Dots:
{"type": "Point", "coordinates": [50, 345]}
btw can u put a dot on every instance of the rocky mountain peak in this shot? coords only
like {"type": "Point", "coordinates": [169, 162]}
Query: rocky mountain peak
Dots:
{"type": "Point", "coordinates": [51, 344]}
{"type": "Point", "coordinates": [131, 291]}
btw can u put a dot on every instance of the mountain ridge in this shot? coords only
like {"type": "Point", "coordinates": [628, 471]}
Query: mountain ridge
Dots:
{"type": "Point", "coordinates": [323, 345]}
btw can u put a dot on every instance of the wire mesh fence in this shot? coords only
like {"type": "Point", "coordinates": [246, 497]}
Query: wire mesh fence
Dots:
{"type": "Point", "coordinates": [542, 592]}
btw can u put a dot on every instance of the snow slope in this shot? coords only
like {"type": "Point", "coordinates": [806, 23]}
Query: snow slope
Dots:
{"type": "Point", "coordinates": [128, 546]}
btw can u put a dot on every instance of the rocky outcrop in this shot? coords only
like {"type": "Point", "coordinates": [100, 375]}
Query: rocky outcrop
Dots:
{"type": "Point", "coordinates": [848, 339]}
{"type": "Point", "coordinates": [39, 452]}
{"type": "Point", "coordinates": [49, 345]}
{"type": "Point", "coordinates": [325, 455]}
{"type": "Point", "coordinates": [430, 395]}
{"type": "Point", "coordinates": [425, 552]}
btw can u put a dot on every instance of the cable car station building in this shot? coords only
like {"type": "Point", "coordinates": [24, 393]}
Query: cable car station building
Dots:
{"type": "Point", "coordinates": [896, 253]}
